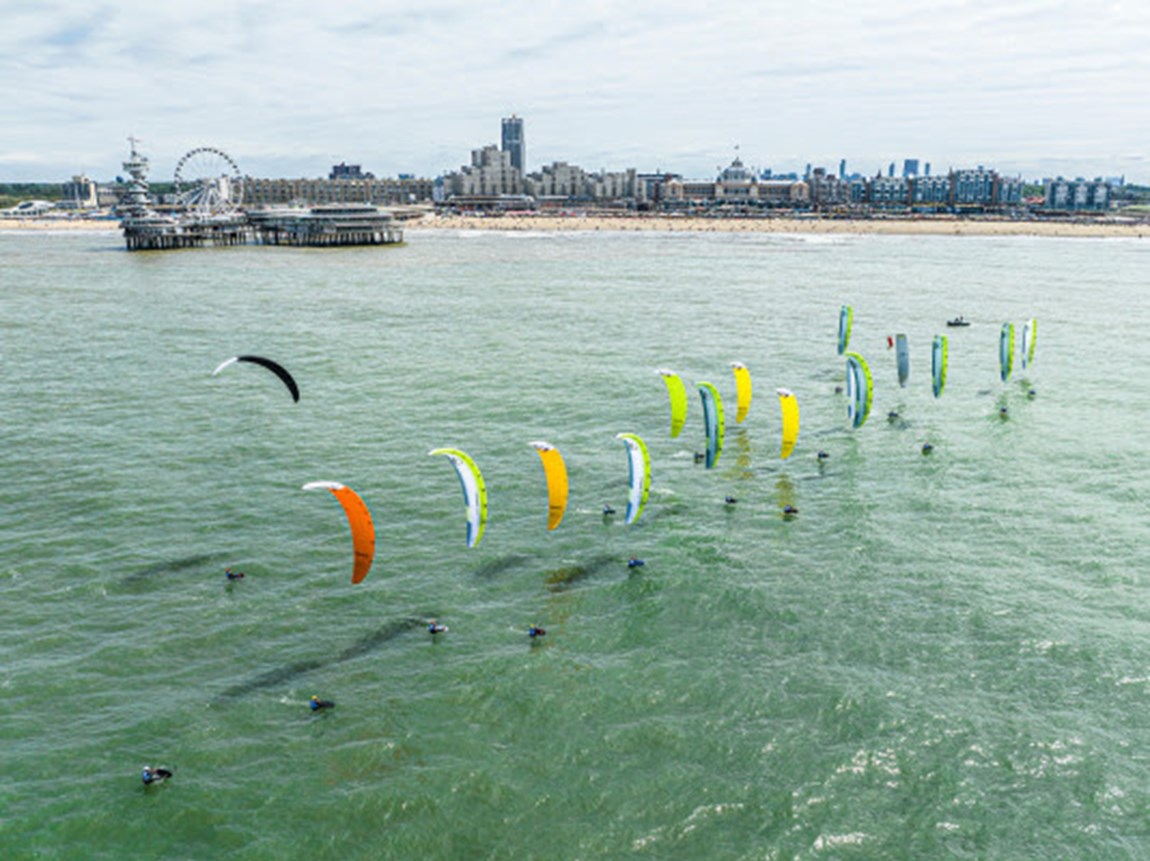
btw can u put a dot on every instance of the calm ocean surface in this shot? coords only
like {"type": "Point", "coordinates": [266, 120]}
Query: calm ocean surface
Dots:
{"type": "Point", "coordinates": [943, 656]}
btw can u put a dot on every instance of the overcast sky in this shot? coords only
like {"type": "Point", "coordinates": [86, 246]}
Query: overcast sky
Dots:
{"type": "Point", "coordinates": [288, 88]}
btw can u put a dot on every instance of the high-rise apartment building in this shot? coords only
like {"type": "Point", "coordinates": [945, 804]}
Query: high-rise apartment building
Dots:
{"type": "Point", "coordinates": [513, 143]}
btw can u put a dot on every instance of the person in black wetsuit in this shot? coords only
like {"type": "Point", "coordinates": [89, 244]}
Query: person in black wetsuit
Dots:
{"type": "Point", "coordinates": [434, 627]}
{"type": "Point", "coordinates": [535, 631]}
{"type": "Point", "coordinates": [233, 575]}
{"type": "Point", "coordinates": [154, 775]}
{"type": "Point", "coordinates": [316, 704]}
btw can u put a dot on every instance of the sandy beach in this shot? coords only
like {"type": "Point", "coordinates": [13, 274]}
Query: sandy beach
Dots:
{"type": "Point", "coordinates": [933, 226]}
{"type": "Point", "coordinates": [40, 224]}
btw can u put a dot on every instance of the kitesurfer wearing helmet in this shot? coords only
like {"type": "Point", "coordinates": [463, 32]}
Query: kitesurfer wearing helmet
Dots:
{"type": "Point", "coordinates": [535, 631]}
{"type": "Point", "coordinates": [233, 575]}
{"type": "Point", "coordinates": [316, 704]}
{"type": "Point", "coordinates": [154, 775]}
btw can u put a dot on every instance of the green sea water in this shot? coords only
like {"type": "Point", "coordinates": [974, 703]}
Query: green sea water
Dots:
{"type": "Point", "coordinates": [943, 656]}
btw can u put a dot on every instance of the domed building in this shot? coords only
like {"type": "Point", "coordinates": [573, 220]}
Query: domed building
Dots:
{"type": "Point", "coordinates": [737, 184]}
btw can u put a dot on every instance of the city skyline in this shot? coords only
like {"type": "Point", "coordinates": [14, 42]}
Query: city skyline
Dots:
{"type": "Point", "coordinates": [1032, 87]}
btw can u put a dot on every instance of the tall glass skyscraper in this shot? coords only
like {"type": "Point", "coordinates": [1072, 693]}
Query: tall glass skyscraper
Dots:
{"type": "Point", "coordinates": [513, 143]}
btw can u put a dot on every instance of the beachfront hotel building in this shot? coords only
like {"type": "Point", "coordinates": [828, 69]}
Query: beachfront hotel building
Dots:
{"type": "Point", "coordinates": [561, 181]}
{"type": "Point", "coordinates": [932, 191]}
{"type": "Point", "coordinates": [513, 142]}
{"type": "Point", "coordinates": [310, 192]}
{"type": "Point", "coordinates": [735, 186]}
{"type": "Point", "coordinates": [827, 190]}
{"type": "Point", "coordinates": [489, 174]}
{"type": "Point", "coordinates": [965, 189]}
{"type": "Point", "coordinates": [1077, 194]}
{"type": "Point", "coordinates": [80, 193]}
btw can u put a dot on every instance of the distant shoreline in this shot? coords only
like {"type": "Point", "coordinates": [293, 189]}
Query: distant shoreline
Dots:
{"type": "Point", "coordinates": [40, 225]}
{"type": "Point", "coordinates": [930, 226]}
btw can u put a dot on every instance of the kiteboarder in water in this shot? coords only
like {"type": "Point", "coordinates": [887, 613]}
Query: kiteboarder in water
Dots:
{"type": "Point", "coordinates": [434, 627]}
{"type": "Point", "coordinates": [535, 631]}
{"type": "Point", "coordinates": [154, 775]}
{"type": "Point", "coordinates": [233, 575]}
{"type": "Point", "coordinates": [316, 704]}
{"type": "Point", "coordinates": [635, 562]}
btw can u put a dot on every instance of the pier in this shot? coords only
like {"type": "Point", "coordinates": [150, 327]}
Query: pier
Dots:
{"type": "Point", "coordinates": [327, 226]}
{"type": "Point", "coordinates": [160, 233]}
{"type": "Point", "coordinates": [318, 227]}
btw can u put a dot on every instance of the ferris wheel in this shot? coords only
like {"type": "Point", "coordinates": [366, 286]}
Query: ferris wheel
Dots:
{"type": "Point", "coordinates": [208, 183]}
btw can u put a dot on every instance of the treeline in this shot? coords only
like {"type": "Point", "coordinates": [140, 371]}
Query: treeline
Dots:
{"type": "Point", "coordinates": [12, 193]}
{"type": "Point", "coordinates": [1133, 193]}
{"type": "Point", "coordinates": [17, 191]}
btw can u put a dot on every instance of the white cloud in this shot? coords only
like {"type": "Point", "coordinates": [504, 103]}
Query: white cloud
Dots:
{"type": "Point", "coordinates": [292, 86]}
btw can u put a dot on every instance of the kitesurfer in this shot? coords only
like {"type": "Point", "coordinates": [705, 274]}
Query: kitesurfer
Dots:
{"type": "Point", "coordinates": [892, 415]}
{"type": "Point", "coordinates": [730, 500]}
{"type": "Point", "coordinates": [434, 627]}
{"type": "Point", "coordinates": [700, 457]}
{"type": "Point", "coordinates": [1002, 411]}
{"type": "Point", "coordinates": [822, 455]}
{"type": "Point", "coordinates": [927, 447]}
{"type": "Point", "coordinates": [154, 775]}
{"type": "Point", "coordinates": [607, 509]}
{"type": "Point", "coordinates": [233, 575]}
{"type": "Point", "coordinates": [316, 704]}
{"type": "Point", "coordinates": [635, 562]}
{"type": "Point", "coordinates": [1032, 394]}
{"type": "Point", "coordinates": [789, 511]}
{"type": "Point", "coordinates": [535, 631]}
